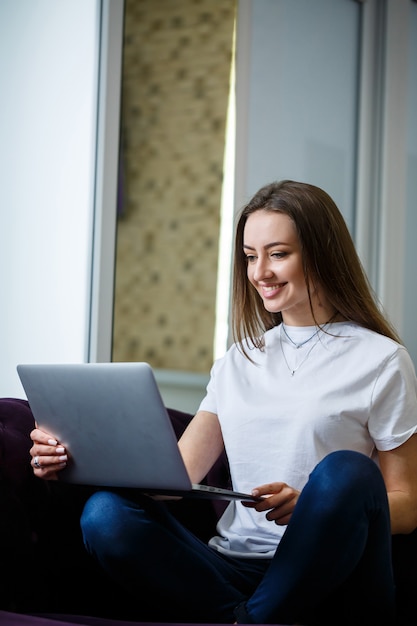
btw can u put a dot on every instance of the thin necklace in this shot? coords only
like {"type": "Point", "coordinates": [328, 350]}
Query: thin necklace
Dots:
{"type": "Point", "coordinates": [294, 343]}
{"type": "Point", "coordinates": [290, 369]}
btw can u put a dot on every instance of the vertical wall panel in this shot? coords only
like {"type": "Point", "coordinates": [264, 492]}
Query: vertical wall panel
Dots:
{"type": "Point", "coordinates": [301, 74]}
{"type": "Point", "coordinates": [410, 282]}
{"type": "Point", "coordinates": [48, 74]}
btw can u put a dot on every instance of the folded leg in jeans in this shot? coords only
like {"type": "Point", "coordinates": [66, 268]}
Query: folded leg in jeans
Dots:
{"type": "Point", "coordinates": [333, 563]}
{"type": "Point", "coordinates": [334, 559]}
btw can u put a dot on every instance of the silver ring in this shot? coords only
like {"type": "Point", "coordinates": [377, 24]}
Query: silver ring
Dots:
{"type": "Point", "coordinates": [36, 462]}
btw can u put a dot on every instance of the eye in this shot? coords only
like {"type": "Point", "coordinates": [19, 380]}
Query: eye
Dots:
{"type": "Point", "coordinates": [250, 258]}
{"type": "Point", "coordinates": [279, 255]}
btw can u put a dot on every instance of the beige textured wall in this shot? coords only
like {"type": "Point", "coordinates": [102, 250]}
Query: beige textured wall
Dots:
{"type": "Point", "coordinates": [177, 56]}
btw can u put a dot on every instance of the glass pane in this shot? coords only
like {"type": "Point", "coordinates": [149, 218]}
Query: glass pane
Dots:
{"type": "Point", "coordinates": [177, 58]}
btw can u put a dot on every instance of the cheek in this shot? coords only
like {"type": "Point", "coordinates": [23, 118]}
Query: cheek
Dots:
{"type": "Point", "coordinates": [296, 271]}
{"type": "Point", "coordinates": [249, 272]}
{"type": "Point", "coordinates": [251, 278]}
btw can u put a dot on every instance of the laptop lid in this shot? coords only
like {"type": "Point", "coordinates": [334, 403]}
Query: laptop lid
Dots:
{"type": "Point", "coordinates": [112, 420]}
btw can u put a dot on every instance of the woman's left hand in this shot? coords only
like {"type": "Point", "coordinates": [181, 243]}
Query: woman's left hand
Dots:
{"type": "Point", "coordinates": [279, 499]}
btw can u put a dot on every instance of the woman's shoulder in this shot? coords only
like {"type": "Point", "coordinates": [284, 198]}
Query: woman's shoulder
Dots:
{"type": "Point", "coordinates": [239, 355]}
{"type": "Point", "coordinates": [352, 329]}
{"type": "Point", "coordinates": [369, 342]}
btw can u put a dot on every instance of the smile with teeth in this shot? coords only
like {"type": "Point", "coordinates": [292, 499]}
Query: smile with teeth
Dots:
{"type": "Point", "coordinates": [269, 290]}
{"type": "Point", "coordinates": [272, 287]}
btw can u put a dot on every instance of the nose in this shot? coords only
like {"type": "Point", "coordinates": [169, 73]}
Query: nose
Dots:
{"type": "Point", "coordinates": [262, 269]}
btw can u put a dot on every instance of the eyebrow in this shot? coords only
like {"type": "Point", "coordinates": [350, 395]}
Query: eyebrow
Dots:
{"type": "Point", "coordinates": [268, 245]}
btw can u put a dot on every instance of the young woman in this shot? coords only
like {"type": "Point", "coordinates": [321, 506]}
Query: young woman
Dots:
{"type": "Point", "coordinates": [316, 407]}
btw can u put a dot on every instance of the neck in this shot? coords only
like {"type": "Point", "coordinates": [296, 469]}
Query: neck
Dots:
{"type": "Point", "coordinates": [320, 318]}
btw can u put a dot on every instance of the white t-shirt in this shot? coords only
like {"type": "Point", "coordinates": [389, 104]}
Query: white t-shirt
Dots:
{"type": "Point", "coordinates": [352, 389]}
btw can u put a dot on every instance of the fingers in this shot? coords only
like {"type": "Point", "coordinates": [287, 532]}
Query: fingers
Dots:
{"type": "Point", "coordinates": [48, 455]}
{"type": "Point", "coordinates": [44, 462]}
{"type": "Point", "coordinates": [279, 500]}
{"type": "Point", "coordinates": [42, 437]}
{"type": "Point", "coordinates": [273, 494]}
{"type": "Point", "coordinates": [269, 489]}
{"type": "Point", "coordinates": [281, 514]}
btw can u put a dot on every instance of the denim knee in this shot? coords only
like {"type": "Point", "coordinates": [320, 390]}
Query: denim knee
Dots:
{"type": "Point", "coordinates": [99, 517]}
{"type": "Point", "coordinates": [350, 465]}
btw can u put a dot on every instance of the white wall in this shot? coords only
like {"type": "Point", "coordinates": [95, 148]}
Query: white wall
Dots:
{"type": "Point", "coordinates": [50, 70]}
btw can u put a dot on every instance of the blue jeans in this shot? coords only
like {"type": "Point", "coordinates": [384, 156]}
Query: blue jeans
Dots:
{"type": "Point", "coordinates": [332, 566]}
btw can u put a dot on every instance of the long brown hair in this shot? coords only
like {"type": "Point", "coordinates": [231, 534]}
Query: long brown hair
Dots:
{"type": "Point", "coordinates": [329, 259]}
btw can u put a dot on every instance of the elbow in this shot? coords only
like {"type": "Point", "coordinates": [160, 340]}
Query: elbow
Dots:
{"type": "Point", "coordinates": [404, 525]}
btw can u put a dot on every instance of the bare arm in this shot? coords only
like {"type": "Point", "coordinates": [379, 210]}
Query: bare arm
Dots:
{"type": "Point", "coordinates": [399, 468]}
{"type": "Point", "coordinates": [201, 444]}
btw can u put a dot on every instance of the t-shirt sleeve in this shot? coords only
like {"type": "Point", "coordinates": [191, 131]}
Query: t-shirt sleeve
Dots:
{"type": "Point", "coordinates": [209, 402]}
{"type": "Point", "coordinates": [393, 416]}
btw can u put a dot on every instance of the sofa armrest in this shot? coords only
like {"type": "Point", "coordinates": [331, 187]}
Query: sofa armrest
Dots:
{"type": "Point", "coordinates": [16, 423]}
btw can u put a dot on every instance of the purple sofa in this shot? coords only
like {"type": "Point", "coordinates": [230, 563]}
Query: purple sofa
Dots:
{"type": "Point", "coordinates": [46, 577]}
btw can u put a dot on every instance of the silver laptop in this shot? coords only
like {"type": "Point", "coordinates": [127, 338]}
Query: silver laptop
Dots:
{"type": "Point", "coordinates": [114, 425]}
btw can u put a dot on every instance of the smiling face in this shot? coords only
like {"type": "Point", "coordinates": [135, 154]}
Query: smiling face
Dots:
{"type": "Point", "coordinates": [275, 269]}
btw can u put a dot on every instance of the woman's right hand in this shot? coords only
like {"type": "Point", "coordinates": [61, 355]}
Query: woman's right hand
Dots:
{"type": "Point", "coordinates": [48, 455]}
{"type": "Point", "coordinates": [278, 499]}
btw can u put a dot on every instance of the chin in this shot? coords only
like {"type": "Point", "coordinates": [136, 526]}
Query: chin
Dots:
{"type": "Point", "coordinates": [271, 308]}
